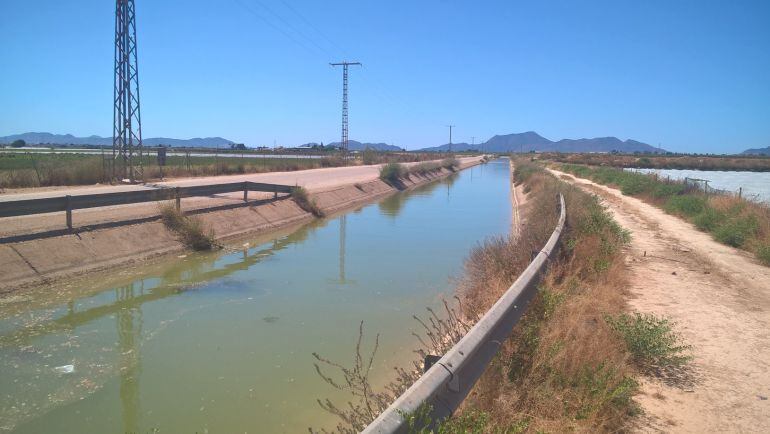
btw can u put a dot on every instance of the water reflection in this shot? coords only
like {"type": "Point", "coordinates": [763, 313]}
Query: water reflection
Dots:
{"type": "Point", "coordinates": [129, 322]}
{"type": "Point", "coordinates": [393, 205]}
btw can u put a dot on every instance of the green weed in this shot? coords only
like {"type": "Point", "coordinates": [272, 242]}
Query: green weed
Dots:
{"type": "Point", "coordinates": [650, 340]}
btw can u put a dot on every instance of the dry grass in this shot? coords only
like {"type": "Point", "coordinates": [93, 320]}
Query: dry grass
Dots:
{"type": "Point", "coordinates": [190, 230]}
{"type": "Point", "coordinates": [300, 196]}
{"type": "Point", "coordinates": [563, 368]}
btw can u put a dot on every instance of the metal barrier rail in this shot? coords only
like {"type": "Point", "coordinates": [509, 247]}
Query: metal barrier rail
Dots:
{"type": "Point", "coordinates": [446, 384]}
{"type": "Point", "coordinates": [68, 203]}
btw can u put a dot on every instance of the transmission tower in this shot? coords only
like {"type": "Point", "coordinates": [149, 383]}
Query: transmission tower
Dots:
{"type": "Point", "coordinates": [450, 137]}
{"type": "Point", "coordinates": [344, 64]}
{"type": "Point", "coordinates": [127, 119]}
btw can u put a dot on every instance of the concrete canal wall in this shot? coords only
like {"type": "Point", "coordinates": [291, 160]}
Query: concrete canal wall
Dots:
{"type": "Point", "coordinates": [40, 260]}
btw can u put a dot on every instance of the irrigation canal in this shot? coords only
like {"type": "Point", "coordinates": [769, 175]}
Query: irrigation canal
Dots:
{"type": "Point", "coordinates": [222, 342]}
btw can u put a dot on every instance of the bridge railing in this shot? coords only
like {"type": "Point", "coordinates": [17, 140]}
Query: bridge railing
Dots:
{"type": "Point", "coordinates": [448, 381]}
{"type": "Point", "coordinates": [15, 208]}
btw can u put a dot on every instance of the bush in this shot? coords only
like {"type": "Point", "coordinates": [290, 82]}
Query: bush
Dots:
{"type": "Point", "coordinates": [763, 253]}
{"type": "Point", "coordinates": [303, 200]}
{"type": "Point", "coordinates": [665, 190]}
{"type": "Point", "coordinates": [735, 232]}
{"type": "Point", "coordinates": [636, 184]}
{"type": "Point", "coordinates": [686, 205]}
{"type": "Point", "coordinates": [191, 231]}
{"type": "Point", "coordinates": [650, 340]}
{"type": "Point", "coordinates": [392, 173]}
{"type": "Point", "coordinates": [709, 219]}
{"type": "Point", "coordinates": [450, 163]}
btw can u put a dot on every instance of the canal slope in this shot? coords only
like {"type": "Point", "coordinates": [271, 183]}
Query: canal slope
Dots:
{"type": "Point", "coordinates": [123, 235]}
{"type": "Point", "coordinates": [720, 297]}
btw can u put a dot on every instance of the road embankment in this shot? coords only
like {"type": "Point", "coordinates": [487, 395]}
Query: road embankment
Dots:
{"type": "Point", "coordinates": [31, 256]}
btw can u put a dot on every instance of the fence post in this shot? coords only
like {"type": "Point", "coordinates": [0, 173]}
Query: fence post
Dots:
{"type": "Point", "coordinates": [69, 212]}
{"type": "Point", "coordinates": [740, 192]}
{"type": "Point", "coordinates": [178, 199]}
{"type": "Point", "coordinates": [245, 191]}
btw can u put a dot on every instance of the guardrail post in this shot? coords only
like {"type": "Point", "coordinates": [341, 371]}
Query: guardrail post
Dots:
{"type": "Point", "coordinates": [178, 199]}
{"type": "Point", "coordinates": [245, 191]}
{"type": "Point", "coordinates": [69, 212]}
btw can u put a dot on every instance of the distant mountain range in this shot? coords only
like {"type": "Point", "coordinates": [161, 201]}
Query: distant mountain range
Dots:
{"type": "Point", "coordinates": [532, 141]}
{"type": "Point", "coordinates": [517, 142]}
{"type": "Point", "coordinates": [69, 139]}
{"type": "Point", "coordinates": [358, 146]}
{"type": "Point", "coordinates": [757, 151]}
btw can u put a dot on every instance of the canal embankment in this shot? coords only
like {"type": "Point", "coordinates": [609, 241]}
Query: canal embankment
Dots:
{"type": "Point", "coordinates": [126, 235]}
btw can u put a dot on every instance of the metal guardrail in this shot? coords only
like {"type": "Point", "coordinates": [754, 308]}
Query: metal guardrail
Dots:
{"type": "Point", "coordinates": [446, 384]}
{"type": "Point", "coordinates": [69, 203]}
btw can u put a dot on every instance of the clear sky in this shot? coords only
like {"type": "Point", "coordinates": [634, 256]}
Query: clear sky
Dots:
{"type": "Point", "coordinates": [691, 75]}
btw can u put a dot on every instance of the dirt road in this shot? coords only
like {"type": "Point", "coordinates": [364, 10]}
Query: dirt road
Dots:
{"type": "Point", "coordinates": [720, 299]}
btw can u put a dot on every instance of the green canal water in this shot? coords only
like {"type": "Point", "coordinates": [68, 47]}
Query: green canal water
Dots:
{"type": "Point", "coordinates": [223, 342]}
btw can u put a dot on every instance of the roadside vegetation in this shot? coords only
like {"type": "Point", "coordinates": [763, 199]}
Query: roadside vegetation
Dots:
{"type": "Point", "coordinates": [731, 220]}
{"type": "Point", "coordinates": [300, 196]}
{"type": "Point", "coordinates": [755, 163]}
{"type": "Point", "coordinates": [572, 361]}
{"type": "Point", "coordinates": [190, 230]}
{"type": "Point", "coordinates": [394, 173]}
{"type": "Point", "coordinates": [35, 169]}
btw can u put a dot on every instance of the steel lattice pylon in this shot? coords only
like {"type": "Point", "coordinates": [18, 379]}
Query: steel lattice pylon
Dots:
{"type": "Point", "coordinates": [344, 142]}
{"type": "Point", "coordinates": [127, 119]}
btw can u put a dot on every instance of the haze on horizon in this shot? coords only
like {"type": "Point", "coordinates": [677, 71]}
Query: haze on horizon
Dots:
{"type": "Point", "coordinates": [690, 76]}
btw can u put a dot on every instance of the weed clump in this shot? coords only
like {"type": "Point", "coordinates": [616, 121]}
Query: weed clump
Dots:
{"type": "Point", "coordinates": [302, 199]}
{"type": "Point", "coordinates": [392, 173]}
{"type": "Point", "coordinates": [450, 163]}
{"type": "Point", "coordinates": [190, 230]}
{"type": "Point", "coordinates": [651, 340]}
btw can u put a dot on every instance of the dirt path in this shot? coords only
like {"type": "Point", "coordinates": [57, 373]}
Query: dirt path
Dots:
{"type": "Point", "coordinates": [720, 299]}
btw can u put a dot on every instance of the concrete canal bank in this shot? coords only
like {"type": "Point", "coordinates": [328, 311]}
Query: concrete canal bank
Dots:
{"type": "Point", "coordinates": [34, 254]}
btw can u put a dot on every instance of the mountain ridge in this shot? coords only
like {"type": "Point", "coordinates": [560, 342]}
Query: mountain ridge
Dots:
{"type": "Point", "coordinates": [527, 141]}
{"type": "Point", "coordinates": [757, 151]}
{"type": "Point", "coordinates": [33, 138]}
{"type": "Point", "coordinates": [531, 141]}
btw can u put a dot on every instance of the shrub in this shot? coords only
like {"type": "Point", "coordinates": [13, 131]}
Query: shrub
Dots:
{"type": "Point", "coordinates": [736, 231]}
{"type": "Point", "coordinates": [392, 173]}
{"type": "Point", "coordinates": [450, 163]}
{"type": "Point", "coordinates": [708, 220]}
{"type": "Point", "coordinates": [650, 340]}
{"type": "Point", "coordinates": [763, 253]}
{"type": "Point", "coordinates": [664, 190]}
{"type": "Point", "coordinates": [303, 200]}
{"type": "Point", "coordinates": [687, 205]}
{"type": "Point", "coordinates": [191, 231]}
{"type": "Point", "coordinates": [636, 184]}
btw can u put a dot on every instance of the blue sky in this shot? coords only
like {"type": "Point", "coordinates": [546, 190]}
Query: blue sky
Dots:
{"type": "Point", "coordinates": [691, 75]}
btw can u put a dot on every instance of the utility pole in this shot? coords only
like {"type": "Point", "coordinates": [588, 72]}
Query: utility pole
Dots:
{"type": "Point", "coordinates": [345, 64]}
{"type": "Point", "coordinates": [127, 119]}
{"type": "Point", "coordinates": [450, 137]}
